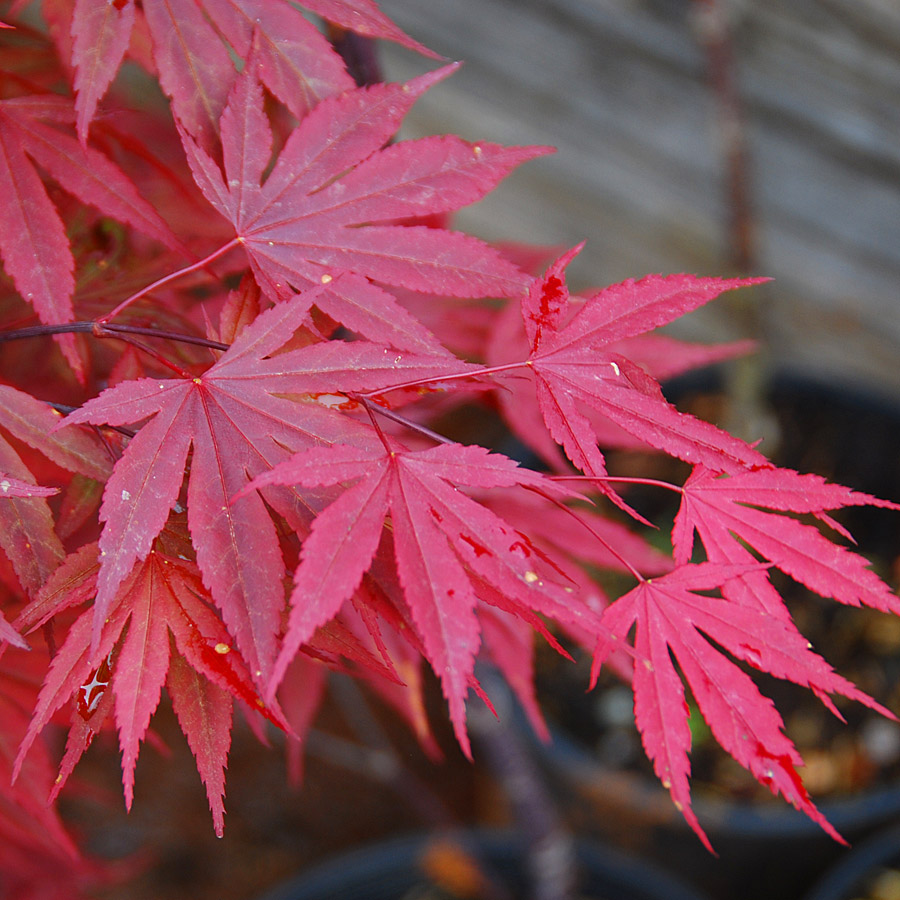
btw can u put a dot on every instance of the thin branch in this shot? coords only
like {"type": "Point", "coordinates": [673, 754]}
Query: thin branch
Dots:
{"type": "Point", "coordinates": [102, 330]}
{"type": "Point", "coordinates": [400, 420]}
{"type": "Point", "coordinates": [619, 479]}
{"type": "Point", "coordinates": [170, 277]}
{"type": "Point", "coordinates": [19, 334]}
{"type": "Point", "coordinates": [154, 354]}
{"type": "Point", "coordinates": [440, 379]}
{"type": "Point", "coordinates": [558, 503]}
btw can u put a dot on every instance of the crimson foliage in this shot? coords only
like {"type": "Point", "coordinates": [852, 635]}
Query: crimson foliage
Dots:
{"type": "Point", "coordinates": [229, 324]}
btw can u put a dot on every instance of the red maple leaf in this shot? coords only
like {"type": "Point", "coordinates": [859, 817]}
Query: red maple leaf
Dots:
{"type": "Point", "coordinates": [445, 545]}
{"type": "Point", "coordinates": [576, 364]}
{"type": "Point", "coordinates": [297, 63]}
{"type": "Point", "coordinates": [659, 355]}
{"type": "Point", "coordinates": [237, 427]}
{"type": "Point", "coordinates": [328, 204]}
{"type": "Point", "coordinates": [159, 630]}
{"type": "Point", "coordinates": [725, 512]}
{"type": "Point", "coordinates": [33, 241]}
{"type": "Point", "coordinates": [673, 620]}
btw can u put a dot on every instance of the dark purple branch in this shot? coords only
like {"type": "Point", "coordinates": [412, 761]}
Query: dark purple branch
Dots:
{"type": "Point", "coordinates": [400, 420]}
{"type": "Point", "coordinates": [108, 330]}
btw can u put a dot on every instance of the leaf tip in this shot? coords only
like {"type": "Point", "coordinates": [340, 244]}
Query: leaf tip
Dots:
{"type": "Point", "coordinates": [422, 83]}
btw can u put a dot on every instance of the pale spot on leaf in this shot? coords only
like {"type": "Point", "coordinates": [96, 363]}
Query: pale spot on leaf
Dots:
{"type": "Point", "coordinates": [331, 400]}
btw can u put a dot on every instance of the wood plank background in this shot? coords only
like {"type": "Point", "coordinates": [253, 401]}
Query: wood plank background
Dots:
{"type": "Point", "coordinates": [622, 88]}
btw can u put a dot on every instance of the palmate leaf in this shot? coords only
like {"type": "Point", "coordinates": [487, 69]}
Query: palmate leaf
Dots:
{"type": "Point", "coordinates": [444, 544]}
{"type": "Point", "coordinates": [673, 620]}
{"type": "Point", "coordinates": [297, 63]}
{"type": "Point", "coordinates": [327, 206]}
{"type": "Point", "coordinates": [724, 512]}
{"type": "Point", "coordinates": [160, 630]}
{"type": "Point", "coordinates": [101, 32]}
{"type": "Point", "coordinates": [237, 427]}
{"type": "Point", "coordinates": [233, 425]}
{"type": "Point", "coordinates": [659, 355]}
{"type": "Point", "coordinates": [33, 240]}
{"type": "Point", "coordinates": [576, 364]}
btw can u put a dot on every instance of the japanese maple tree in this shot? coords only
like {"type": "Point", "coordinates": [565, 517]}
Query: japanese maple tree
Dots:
{"type": "Point", "coordinates": [230, 325]}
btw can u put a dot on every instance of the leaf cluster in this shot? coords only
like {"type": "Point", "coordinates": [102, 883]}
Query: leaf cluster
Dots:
{"type": "Point", "coordinates": [231, 323]}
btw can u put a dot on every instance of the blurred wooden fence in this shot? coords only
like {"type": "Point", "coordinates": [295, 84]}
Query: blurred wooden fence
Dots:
{"type": "Point", "coordinates": [623, 89]}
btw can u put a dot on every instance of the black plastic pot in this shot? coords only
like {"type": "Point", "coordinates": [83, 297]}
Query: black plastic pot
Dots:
{"type": "Point", "coordinates": [770, 851]}
{"type": "Point", "coordinates": [860, 868]}
{"type": "Point", "coordinates": [393, 869]}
